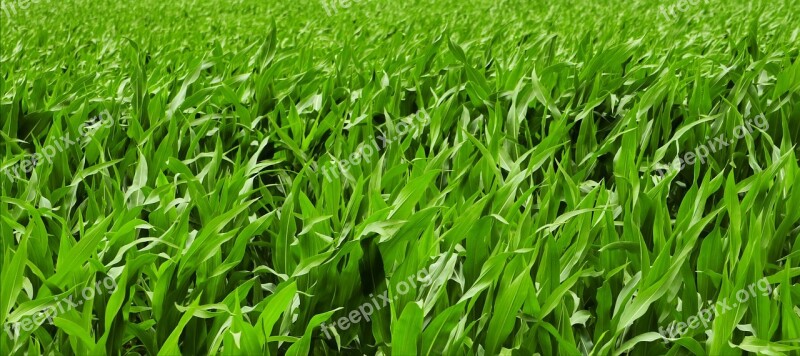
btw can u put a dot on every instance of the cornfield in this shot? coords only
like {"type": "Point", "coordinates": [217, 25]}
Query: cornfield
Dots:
{"type": "Point", "coordinates": [421, 177]}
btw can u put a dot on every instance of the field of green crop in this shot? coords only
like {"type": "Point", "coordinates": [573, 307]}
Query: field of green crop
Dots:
{"type": "Point", "coordinates": [385, 177]}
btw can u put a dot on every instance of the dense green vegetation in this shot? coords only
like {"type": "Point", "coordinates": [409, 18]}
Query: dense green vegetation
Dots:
{"type": "Point", "coordinates": [420, 177]}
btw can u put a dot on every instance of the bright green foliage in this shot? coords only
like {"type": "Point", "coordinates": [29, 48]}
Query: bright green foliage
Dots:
{"type": "Point", "coordinates": [524, 183]}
